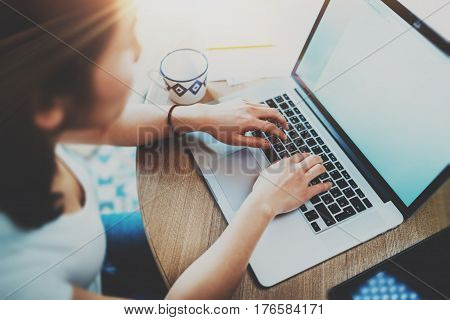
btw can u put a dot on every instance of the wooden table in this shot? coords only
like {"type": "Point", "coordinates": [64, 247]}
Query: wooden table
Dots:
{"type": "Point", "coordinates": [182, 221]}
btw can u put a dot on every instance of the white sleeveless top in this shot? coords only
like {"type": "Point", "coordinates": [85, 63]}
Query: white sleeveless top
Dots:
{"type": "Point", "coordinates": [45, 263]}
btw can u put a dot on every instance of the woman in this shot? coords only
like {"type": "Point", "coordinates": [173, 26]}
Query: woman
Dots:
{"type": "Point", "coordinates": [65, 77]}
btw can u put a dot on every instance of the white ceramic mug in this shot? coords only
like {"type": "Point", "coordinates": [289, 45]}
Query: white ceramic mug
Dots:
{"type": "Point", "coordinates": [184, 72]}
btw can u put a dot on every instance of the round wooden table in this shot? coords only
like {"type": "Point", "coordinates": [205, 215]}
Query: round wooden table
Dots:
{"type": "Point", "coordinates": [182, 220]}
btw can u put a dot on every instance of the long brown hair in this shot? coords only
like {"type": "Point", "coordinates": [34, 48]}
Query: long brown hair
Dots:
{"type": "Point", "coordinates": [46, 52]}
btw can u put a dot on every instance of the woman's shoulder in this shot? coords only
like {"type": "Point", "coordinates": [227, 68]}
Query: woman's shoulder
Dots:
{"type": "Point", "coordinates": [44, 262]}
{"type": "Point", "coordinates": [25, 271]}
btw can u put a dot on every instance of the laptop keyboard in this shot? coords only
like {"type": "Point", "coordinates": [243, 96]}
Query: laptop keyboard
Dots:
{"type": "Point", "coordinates": [345, 199]}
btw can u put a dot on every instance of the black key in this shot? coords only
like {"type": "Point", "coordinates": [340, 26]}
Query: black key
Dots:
{"type": "Point", "coordinates": [273, 139]}
{"type": "Point", "coordinates": [289, 113]}
{"type": "Point", "coordinates": [314, 133]}
{"type": "Point", "coordinates": [320, 141]}
{"type": "Point", "coordinates": [283, 154]}
{"type": "Point", "coordinates": [324, 157]}
{"type": "Point", "coordinates": [325, 148]}
{"type": "Point", "coordinates": [304, 149]}
{"type": "Point", "coordinates": [271, 103]}
{"type": "Point", "coordinates": [315, 226]}
{"type": "Point", "coordinates": [352, 183]}
{"type": "Point", "coordinates": [279, 147]}
{"type": "Point", "coordinates": [279, 99]}
{"type": "Point", "coordinates": [293, 134]}
{"type": "Point", "coordinates": [342, 183]}
{"type": "Point", "coordinates": [342, 202]}
{"type": "Point", "coordinates": [348, 192]}
{"type": "Point", "coordinates": [295, 109]}
{"type": "Point", "coordinates": [324, 176]}
{"type": "Point", "coordinates": [367, 203]}
{"type": "Point", "coordinates": [284, 106]}
{"type": "Point", "coordinates": [290, 127]}
{"type": "Point", "coordinates": [348, 212]}
{"type": "Point", "coordinates": [308, 125]}
{"type": "Point", "coordinates": [300, 127]}
{"type": "Point", "coordinates": [360, 193]}
{"type": "Point", "coordinates": [335, 175]}
{"type": "Point", "coordinates": [303, 208]}
{"type": "Point", "coordinates": [329, 166]}
{"type": "Point", "coordinates": [311, 215]}
{"type": "Point", "coordinates": [315, 200]}
{"type": "Point", "coordinates": [325, 214]}
{"type": "Point", "coordinates": [316, 150]}
{"type": "Point", "coordinates": [298, 142]}
{"type": "Point", "coordinates": [339, 166]}
{"type": "Point", "coordinates": [332, 157]}
{"type": "Point", "coordinates": [289, 140]}
{"type": "Point", "coordinates": [277, 124]}
{"type": "Point", "coordinates": [335, 192]}
{"type": "Point", "coordinates": [327, 199]}
{"type": "Point", "coordinates": [334, 208]}
{"type": "Point", "coordinates": [291, 103]}
{"type": "Point", "coordinates": [315, 181]}
{"type": "Point", "coordinates": [311, 142]}
{"type": "Point", "coordinates": [345, 174]}
{"type": "Point", "coordinates": [305, 134]}
{"type": "Point", "coordinates": [294, 120]}
{"type": "Point", "coordinates": [271, 155]}
{"type": "Point", "coordinates": [349, 209]}
{"type": "Point", "coordinates": [359, 206]}
{"type": "Point", "coordinates": [286, 96]}
{"type": "Point", "coordinates": [302, 117]}
{"type": "Point", "coordinates": [291, 148]}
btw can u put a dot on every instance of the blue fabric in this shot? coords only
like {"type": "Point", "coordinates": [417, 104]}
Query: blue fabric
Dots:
{"type": "Point", "coordinates": [129, 270]}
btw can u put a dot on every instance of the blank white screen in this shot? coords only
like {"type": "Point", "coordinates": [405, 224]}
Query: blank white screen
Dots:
{"type": "Point", "coordinates": [387, 86]}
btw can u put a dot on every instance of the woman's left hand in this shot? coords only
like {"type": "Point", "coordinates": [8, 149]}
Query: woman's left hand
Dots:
{"type": "Point", "coordinates": [228, 122]}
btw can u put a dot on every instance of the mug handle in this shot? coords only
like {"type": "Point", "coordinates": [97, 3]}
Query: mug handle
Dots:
{"type": "Point", "coordinates": [156, 78]}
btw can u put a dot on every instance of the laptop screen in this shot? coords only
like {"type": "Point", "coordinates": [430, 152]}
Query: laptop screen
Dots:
{"type": "Point", "coordinates": [387, 87]}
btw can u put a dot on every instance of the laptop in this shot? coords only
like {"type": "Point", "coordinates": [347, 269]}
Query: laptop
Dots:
{"type": "Point", "coordinates": [369, 94]}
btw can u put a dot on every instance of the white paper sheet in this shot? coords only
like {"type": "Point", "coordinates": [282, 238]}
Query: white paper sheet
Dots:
{"type": "Point", "coordinates": [283, 24]}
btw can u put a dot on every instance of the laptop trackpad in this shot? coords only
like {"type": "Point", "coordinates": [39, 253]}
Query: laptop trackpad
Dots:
{"type": "Point", "coordinates": [236, 174]}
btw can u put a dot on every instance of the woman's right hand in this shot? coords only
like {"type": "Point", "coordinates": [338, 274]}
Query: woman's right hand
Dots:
{"type": "Point", "coordinates": [284, 186]}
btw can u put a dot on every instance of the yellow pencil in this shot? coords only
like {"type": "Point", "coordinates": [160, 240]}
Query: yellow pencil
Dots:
{"type": "Point", "coordinates": [241, 47]}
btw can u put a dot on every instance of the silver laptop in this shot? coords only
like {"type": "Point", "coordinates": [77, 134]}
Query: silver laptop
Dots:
{"type": "Point", "coordinates": [370, 95]}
